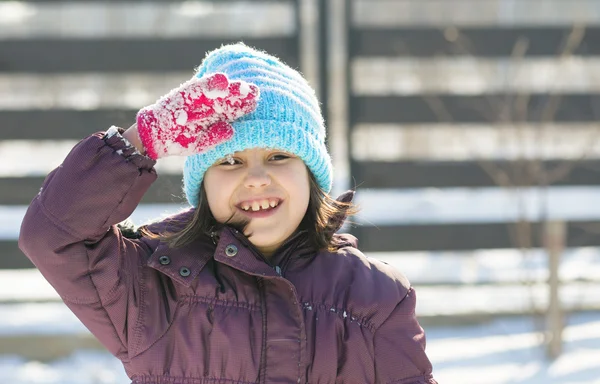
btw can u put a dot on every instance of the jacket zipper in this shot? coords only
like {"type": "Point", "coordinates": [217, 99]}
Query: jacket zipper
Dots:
{"type": "Point", "coordinates": [251, 246]}
{"type": "Point", "coordinates": [281, 270]}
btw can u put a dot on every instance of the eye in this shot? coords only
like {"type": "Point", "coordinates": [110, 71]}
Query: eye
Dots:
{"type": "Point", "coordinates": [226, 162]}
{"type": "Point", "coordinates": [279, 157]}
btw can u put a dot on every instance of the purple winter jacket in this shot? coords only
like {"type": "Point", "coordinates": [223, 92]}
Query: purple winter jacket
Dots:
{"type": "Point", "coordinates": [214, 311]}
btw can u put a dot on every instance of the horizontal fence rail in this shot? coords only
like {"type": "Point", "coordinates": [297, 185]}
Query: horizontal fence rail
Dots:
{"type": "Point", "coordinates": [472, 76]}
{"type": "Point", "coordinates": [116, 55]}
{"type": "Point", "coordinates": [446, 174]}
{"type": "Point", "coordinates": [462, 237]}
{"type": "Point", "coordinates": [482, 41]}
{"type": "Point", "coordinates": [57, 124]}
{"type": "Point", "coordinates": [464, 13]}
{"type": "Point", "coordinates": [160, 19]}
{"type": "Point", "coordinates": [21, 190]}
{"type": "Point", "coordinates": [474, 109]}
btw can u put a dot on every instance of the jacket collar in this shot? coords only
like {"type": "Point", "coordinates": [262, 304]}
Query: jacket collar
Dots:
{"type": "Point", "coordinates": [246, 257]}
{"type": "Point", "coordinates": [231, 247]}
{"type": "Point", "coordinates": [177, 262]}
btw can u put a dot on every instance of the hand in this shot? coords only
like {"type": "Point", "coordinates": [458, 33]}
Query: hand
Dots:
{"type": "Point", "coordinates": [196, 116]}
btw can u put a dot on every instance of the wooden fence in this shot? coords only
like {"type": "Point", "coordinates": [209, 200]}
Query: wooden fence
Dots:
{"type": "Point", "coordinates": [419, 96]}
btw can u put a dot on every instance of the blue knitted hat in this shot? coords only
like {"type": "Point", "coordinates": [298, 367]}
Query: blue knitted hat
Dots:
{"type": "Point", "coordinates": [288, 116]}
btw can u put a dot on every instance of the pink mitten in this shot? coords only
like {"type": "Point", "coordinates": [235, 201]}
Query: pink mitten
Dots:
{"type": "Point", "coordinates": [195, 116]}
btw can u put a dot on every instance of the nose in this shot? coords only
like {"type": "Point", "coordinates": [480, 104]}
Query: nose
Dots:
{"type": "Point", "coordinates": [257, 177]}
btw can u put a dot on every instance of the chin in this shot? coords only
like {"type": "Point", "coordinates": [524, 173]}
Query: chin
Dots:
{"type": "Point", "coordinates": [260, 239]}
{"type": "Point", "coordinates": [262, 242]}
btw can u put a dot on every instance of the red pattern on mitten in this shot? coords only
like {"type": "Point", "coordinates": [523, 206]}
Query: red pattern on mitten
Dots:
{"type": "Point", "coordinates": [196, 116]}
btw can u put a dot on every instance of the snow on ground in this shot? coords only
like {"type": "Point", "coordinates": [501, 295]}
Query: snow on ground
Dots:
{"type": "Point", "coordinates": [83, 367]}
{"type": "Point", "coordinates": [505, 351]}
{"type": "Point", "coordinates": [511, 351]}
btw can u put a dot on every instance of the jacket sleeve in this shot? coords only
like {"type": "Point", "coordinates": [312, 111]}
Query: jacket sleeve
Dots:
{"type": "Point", "coordinates": [69, 233]}
{"type": "Point", "coordinates": [399, 345]}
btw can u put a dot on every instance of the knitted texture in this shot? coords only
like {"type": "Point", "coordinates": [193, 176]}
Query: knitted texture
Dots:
{"type": "Point", "coordinates": [287, 117]}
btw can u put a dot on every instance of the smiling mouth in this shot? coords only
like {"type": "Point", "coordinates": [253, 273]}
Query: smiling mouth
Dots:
{"type": "Point", "coordinates": [257, 209]}
{"type": "Point", "coordinates": [259, 205]}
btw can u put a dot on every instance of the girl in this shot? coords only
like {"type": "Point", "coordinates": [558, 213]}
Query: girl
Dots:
{"type": "Point", "coordinates": [251, 284]}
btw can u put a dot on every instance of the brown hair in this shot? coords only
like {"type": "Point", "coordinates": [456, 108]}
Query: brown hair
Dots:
{"type": "Point", "coordinates": [323, 218]}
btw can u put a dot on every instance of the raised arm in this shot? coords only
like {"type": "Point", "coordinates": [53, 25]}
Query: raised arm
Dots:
{"type": "Point", "coordinates": [69, 231]}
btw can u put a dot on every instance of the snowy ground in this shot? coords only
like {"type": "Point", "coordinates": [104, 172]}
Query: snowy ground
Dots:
{"type": "Point", "coordinates": [506, 351]}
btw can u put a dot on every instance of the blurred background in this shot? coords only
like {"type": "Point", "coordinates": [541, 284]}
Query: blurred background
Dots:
{"type": "Point", "coordinates": [469, 128]}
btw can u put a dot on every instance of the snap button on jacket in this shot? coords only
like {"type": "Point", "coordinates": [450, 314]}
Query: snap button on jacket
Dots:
{"type": "Point", "coordinates": [231, 250]}
{"type": "Point", "coordinates": [215, 312]}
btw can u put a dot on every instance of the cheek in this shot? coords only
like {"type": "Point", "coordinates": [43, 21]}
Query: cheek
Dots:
{"type": "Point", "coordinates": [217, 195]}
{"type": "Point", "coordinates": [300, 188]}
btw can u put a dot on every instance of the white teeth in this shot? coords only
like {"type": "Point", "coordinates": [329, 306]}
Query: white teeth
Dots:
{"type": "Point", "coordinates": [258, 205]}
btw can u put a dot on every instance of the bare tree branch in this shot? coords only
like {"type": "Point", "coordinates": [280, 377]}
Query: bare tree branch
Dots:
{"type": "Point", "coordinates": [537, 169]}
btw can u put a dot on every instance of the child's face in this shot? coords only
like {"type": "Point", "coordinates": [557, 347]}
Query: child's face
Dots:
{"type": "Point", "coordinates": [269, 187]}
